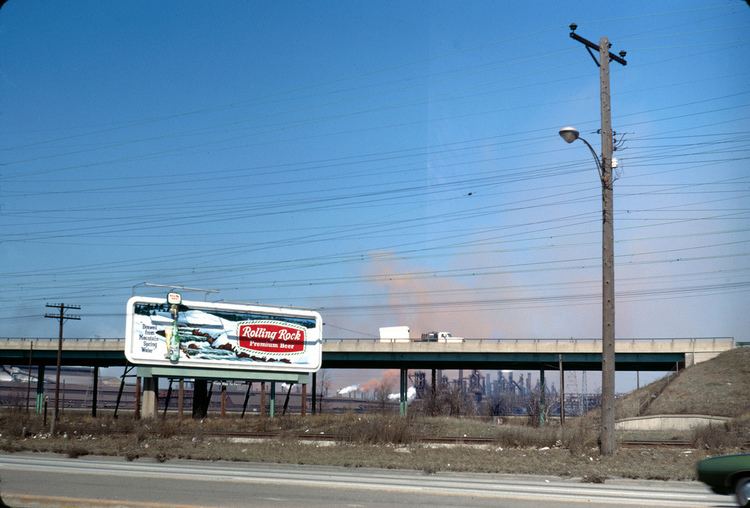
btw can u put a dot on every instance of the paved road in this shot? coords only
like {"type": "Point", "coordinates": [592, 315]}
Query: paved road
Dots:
{"type": "Point", "coordinates": [49, 480]}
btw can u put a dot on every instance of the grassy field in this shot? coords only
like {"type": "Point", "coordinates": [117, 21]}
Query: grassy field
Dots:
{"type": "Point", "coordinates": [362, 441]}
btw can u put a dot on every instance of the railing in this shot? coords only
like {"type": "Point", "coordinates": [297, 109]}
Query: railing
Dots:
{"type": "Point", "coordinates": [687, 345]}
{"type": "Point", "coordinates": [507, 340]}
{"type": "Point", "coordinates": [376, 339]}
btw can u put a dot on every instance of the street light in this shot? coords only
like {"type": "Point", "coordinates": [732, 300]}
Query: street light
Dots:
{"type": "Point", "coordinates": [606, 438]}
{"type": "Point", "coordinates": [570, 134]}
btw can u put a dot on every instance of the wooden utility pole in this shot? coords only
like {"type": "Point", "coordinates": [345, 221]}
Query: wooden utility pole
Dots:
{"type": "Point", "coordinates": [61, 317]}
{"type": "Point", "coordinates": [608, 259]}
{"type": "Point", "coordinates": [607, 441]}
{"type": "Point", "coordinates": [562, 389]}
{"type": "Point", "coordinates": [181, 398]}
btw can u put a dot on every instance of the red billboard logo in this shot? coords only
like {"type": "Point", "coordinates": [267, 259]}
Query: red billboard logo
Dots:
{"type": "Point", "coordinates": [271, 337]}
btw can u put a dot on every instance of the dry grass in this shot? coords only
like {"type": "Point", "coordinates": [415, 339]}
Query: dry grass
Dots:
{"type": "Point", "coordinates": [632, 404]}
{"type": "Point", "coordinates": [364, 441]}
{"type": "Point", "coordinates": [629, 463]}
{"type": "Point", "coordinates": [733, 434]}
{"type": "Point", "coordinates": [716, 387]}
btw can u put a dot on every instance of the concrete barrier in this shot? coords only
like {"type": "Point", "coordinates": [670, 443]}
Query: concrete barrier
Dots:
{"type": "Point", "coordinates": [669, 422]}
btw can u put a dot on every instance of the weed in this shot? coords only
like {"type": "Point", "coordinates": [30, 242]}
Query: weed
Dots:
{"type": "Point", "coordinates": [18, 423]}
{"type": "Point", "coordinates": [727, 436]}
{"type": "Point", "coordinates": [430, 469]}
{"type": "Point", "coordinates": [76, 451]}
{"type": "Point", "coordinates": [593, 478]}
{"type": "Point", "coordinates": [579, 437]}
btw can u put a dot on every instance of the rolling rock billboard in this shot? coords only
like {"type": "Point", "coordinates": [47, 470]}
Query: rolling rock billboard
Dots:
{"type": "Point", "coordinates": [221, 335]}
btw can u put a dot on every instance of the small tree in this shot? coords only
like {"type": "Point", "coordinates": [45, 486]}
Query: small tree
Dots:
{"type": "Point", "coordinates": [538, 412]}
{"type": "Point", "coordinates": [325, 386]}
{"type": "Point", "coordinates": [381, 392]}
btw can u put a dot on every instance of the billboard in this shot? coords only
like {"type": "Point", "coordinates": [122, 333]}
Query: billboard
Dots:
{"type": "Point", "coordinates": [181, 333]}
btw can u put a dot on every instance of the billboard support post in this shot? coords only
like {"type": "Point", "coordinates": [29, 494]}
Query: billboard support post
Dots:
{"type": "Point", "coordinates": [200, 398]}
{"type": "Point", "coordinates": [286, 400]}
{"type": "Point", "coordinates": [247, 398]}
{"type": "Point", "coordinates": [149, 400]}
{"type": "Point", "coordinates": [181, 398]}
{"type": "Point", "coordinates": [313, 389]}
{"type": "Point", "coordinates": [223, 399]}
{"type": "Point", "coordinates": [137, 404]}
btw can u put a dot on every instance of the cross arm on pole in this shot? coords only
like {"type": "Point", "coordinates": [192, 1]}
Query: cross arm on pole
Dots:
{"type": "Point", "coordinates": [593, 46]}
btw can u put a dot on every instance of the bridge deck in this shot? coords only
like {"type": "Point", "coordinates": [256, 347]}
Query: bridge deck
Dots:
{"type": "Point", "coordinates": [576, 354]}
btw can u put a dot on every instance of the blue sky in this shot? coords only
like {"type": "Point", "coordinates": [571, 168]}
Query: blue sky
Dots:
{"type": "Point", "coordinates": [386, 163]}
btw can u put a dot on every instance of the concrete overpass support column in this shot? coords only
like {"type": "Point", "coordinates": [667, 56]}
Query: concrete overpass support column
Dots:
{"type": "Point", "coordinates": [433, 393]}
{"type": "Point", "coordinates": [39, 389]}
{"type": "Point", "coordinates": [542, 397]}
{"type": "Point", "coordinates": [95, 392]}
{"type": "Point", "coordinates": [262, 398]}
{"type": "Point", "coordinates": [272, 404]}
{"type": "Point", "coordinates": [150, 400]}
{"type": "Point", "coordinates": [402, 392]}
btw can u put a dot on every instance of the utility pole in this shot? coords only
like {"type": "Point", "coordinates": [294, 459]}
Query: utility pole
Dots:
{"type": "Point", "coordinates": [61, 317]}
{"type": "Point", "coordinates": [607, 441]}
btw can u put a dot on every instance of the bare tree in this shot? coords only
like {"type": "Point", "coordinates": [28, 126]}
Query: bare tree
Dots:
{"type": "Point", "coordinates": [381, 392]}
{"type": "Point", "coordinates": [324, 379]}
{"type": "Point", "coordinates": [537, 409]}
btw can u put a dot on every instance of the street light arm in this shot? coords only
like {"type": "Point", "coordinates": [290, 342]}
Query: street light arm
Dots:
{"type": "Point", "coordinates": [596, 157]}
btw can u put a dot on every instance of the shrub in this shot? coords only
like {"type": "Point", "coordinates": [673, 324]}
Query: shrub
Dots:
{"type": "Point", "coordinates": [580, 437]}
{"type": "Point", "coordinates": [76, 451]}
{"type": "Point", "coordinates": [377, 429]}
{"type": "Point", "coordinates": [720, 437]}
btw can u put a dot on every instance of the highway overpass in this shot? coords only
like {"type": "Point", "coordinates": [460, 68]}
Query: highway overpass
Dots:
{"type": "Point", "coordinates": [662, 354]}
{"type": "Point", "coordinates": [642, 354]}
